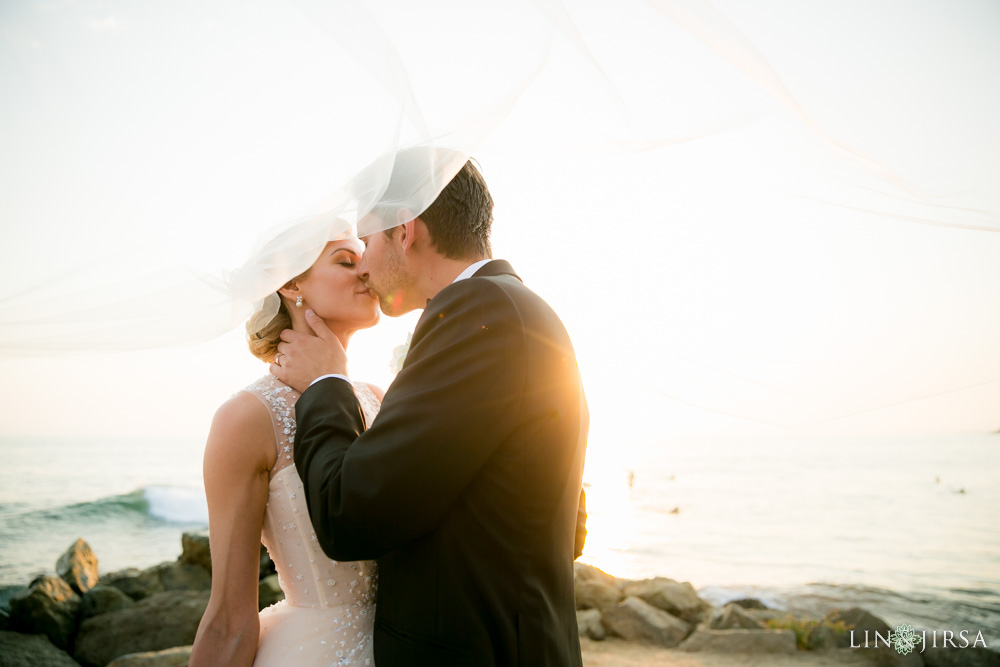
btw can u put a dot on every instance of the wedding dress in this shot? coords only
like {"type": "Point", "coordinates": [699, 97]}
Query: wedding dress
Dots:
{"type": "Point", "coordinates": [328, 612]}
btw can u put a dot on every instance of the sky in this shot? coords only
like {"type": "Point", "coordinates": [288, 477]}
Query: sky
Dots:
{"type": "Point", "coordinates": [765, 218]}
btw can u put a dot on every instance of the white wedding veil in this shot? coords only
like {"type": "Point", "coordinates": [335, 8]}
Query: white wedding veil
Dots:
{"type": "Point", "coordinates": [190, 159]}
{"type": "Point", "coordinates": [167, 166]}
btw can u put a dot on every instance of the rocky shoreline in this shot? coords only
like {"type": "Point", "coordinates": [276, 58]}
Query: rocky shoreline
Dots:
{"type": "Point", "coordinates": [148, 618]}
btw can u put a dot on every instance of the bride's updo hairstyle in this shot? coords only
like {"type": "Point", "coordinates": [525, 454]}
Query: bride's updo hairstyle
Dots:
{"type": "Point", "coordinates": [264, 343]}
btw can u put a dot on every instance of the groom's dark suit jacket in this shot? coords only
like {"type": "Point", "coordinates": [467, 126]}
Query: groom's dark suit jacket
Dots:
{"type": "Point", "coordinates": [465, 488]}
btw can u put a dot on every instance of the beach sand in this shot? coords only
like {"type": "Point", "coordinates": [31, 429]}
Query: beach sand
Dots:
{"type": "Point", "coordinates": [619, 653]}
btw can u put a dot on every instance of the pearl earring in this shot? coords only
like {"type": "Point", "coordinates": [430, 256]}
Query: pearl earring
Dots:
{"type": "Point", "coordinates": [298, 302]}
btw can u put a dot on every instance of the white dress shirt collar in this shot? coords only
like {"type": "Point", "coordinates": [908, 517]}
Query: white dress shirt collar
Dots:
{"type": "Point", "coordinates": [471, 270]}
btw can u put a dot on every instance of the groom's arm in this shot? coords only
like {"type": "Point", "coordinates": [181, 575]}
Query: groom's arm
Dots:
{"type": "Point", "coordinates": [329, 420]}
{"type": "Point", "coordinates": [444, 415]}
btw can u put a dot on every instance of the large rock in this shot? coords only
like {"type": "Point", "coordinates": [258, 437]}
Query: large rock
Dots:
{"type": "Point", "coordinates": [749, 603]}
{"type": "Point", "coordinates": [959, 657]}
{"type": "Point", "coordinates": [47, 606]}
{"type": "Point", "coordinates": [78, 567]}
{"type": "Point", "coordinates": [269, 592]}
{"type": "Point", "coordinates": [135, 583]}
{"type": "Point", "coordinates": [195, 549]}
{"type": "Point", "coordinates": [162, 621]}
{"type": "Point", "coordinates": [595, 589]}
{"type": "Point", "coordinates": [638, 620]}
{"type": "Point", "coordinates": [170, 576]}
{"type": "Point", "coordinates": [735, 617]}
{"type": "Point", "coordinates": [19, 650]}
{"type": "Point", "coordinates": [673, 597]}
{"type": "Point", "coordinates": [178, 576]}
{"type": "Point", "coordinates": [741, 641]}
{"type": "Point", "coordinates": [584, 572]}
{"type": "Point", "coordinates": [859, 622]}
{"type": "Point", "coordinates": [103, 599]}
{"type": "Point", "coordinates": [589, 623]}
{"type": "Point", "coordinates": [171, 657]}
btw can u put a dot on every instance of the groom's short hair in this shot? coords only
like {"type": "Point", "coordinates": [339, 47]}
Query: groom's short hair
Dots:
{"type": "Point", "coordinates": [459, 221]}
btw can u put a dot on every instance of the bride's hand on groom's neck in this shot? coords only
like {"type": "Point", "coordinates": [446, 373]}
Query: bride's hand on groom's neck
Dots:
{"type": "Point", "coordinates": [301, 358]}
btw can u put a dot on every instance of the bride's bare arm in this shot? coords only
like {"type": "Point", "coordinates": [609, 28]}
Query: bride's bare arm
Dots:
{"type": "Point", "coordinates": [238, 456]}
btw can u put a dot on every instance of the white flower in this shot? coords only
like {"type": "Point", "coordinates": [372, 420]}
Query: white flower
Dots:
{"type": "Point", "coordinates": [399, 354]}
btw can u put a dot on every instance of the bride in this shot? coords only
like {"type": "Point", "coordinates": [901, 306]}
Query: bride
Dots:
{"type": "Point", "coordinates": [254, 495]}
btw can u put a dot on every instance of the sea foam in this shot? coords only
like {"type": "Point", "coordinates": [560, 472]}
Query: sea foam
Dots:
{"type": "Point", "coordinates": [177, 504]}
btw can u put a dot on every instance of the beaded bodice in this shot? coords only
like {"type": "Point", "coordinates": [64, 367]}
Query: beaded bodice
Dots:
{"type": "Point", "coordinates": [307, 576]}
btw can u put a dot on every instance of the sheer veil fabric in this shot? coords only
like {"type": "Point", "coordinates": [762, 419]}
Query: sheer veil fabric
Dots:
{"type": "Point", "coordinates": [169, 165]}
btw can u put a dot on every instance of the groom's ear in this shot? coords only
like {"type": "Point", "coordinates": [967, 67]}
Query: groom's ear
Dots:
{"type": "Point", "coordinates": [404, 215]}
{"type": "Point", "coordinates": [407, 234]}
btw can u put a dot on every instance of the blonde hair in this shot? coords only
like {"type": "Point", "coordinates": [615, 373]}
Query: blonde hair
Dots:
{"type": "Point", "coordinates": [263, 344]}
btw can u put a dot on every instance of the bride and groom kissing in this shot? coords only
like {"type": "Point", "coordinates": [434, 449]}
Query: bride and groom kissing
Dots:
{"type": "Point", "coordinates": [436, 524]}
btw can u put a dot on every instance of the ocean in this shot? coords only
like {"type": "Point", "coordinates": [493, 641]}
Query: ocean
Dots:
{"type": "Point", "coordinates": [130, 499]}
{"type": "Point", "coordinates": [904, 526]}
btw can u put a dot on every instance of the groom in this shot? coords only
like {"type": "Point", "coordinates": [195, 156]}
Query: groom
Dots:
{"type": "Point", "coordinates": [466, 486]}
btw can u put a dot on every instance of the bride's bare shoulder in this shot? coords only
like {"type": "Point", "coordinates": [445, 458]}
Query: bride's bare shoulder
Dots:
{"type": "Point", "coordinates": [241, 411]}
{"type": "Point", "coordinates": [241, 428]}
